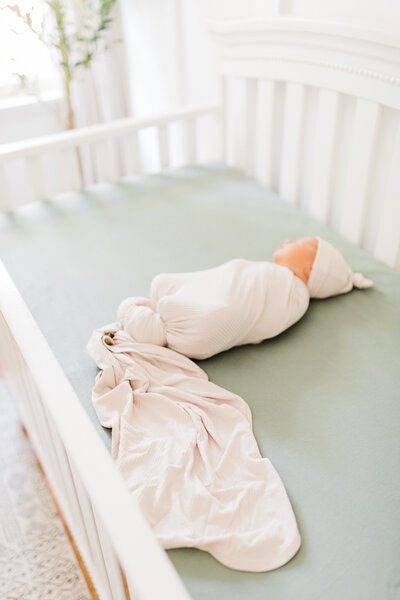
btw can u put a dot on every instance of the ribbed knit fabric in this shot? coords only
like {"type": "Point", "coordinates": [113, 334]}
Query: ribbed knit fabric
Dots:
{"type": "Point", "coordinates": [206, 312]}
{"type": "Point", "coordinates": [184, 445]}
{"type": "Point", "coordinates": [186, 450]}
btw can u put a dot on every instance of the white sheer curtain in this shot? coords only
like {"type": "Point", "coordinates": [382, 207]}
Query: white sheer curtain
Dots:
{"type": "Point", "coordinates": [172, 62]}
{"type": "Point", "coordinates": [101, 92]}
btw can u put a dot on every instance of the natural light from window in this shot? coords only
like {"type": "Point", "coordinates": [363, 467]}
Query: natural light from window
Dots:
{"type": "Point", "coordinates": [26, 67]}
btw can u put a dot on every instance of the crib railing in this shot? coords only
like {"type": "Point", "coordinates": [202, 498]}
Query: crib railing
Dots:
{"type": "Point", "coordinates": [117, 546]}
{"type": "Point", "coordinates": [97, 153]}
{"type": "Point", "coordinates": [123, 558]}
{"type": "Point", "coordinates": [312, 110]}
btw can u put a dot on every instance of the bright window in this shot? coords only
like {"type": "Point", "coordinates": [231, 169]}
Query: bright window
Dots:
{"type": "Point", "coordinates": [26, 67]}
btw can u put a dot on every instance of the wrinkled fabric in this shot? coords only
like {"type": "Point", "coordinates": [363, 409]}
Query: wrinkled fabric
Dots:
{"type": "Point", "coordinates": [186, 450]}
{"type": "Point", "coordinates": [203, 313]}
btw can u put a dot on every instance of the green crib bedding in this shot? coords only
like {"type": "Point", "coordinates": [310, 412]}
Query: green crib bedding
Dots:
{"type": "Point", "coordinates": [325, 395]}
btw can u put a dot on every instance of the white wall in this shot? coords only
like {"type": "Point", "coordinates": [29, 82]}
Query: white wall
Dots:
{"type": "Point", "coordinates": [171, 60]}
{"type": "Point", "coordinates": [25, 118]}
{"type": "Point", "coordinates": [378, 12]}
{"type": "Point", "coordinates": [150, 36]}
{"type": "Point", "coordinates": [28, 117]}
{"type": "Point", "coordinates": [170, 65]}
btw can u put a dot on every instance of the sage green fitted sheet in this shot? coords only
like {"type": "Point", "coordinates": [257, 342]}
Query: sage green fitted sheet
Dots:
{"type": "Point", "coordinates": [325, 395]}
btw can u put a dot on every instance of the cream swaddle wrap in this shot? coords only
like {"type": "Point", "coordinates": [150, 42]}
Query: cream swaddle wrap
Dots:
{"type": "Point", "coordinates": [202, 313]}
{"type": "Point", "coordinates": [187, 452]}
{"type": "Point", "coordinates": [184, 445]}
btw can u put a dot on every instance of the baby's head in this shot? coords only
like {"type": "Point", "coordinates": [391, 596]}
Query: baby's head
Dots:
{"type": "Point", "coordinates": [298, 256]}
{"type": "Point", "coordinates": [320, 266]}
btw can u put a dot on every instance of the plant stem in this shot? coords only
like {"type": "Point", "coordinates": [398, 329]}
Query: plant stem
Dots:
{"type": "Point", "coordinates": [71, 122]}
{"type": "Point", "coordinates": [70, 110]}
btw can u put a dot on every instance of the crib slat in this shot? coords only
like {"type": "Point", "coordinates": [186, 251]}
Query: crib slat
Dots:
{"type": "Point", "coordinates": [99, 561]}
{"type": "Point", "coordinates": [113, 568]}
{"type": "Point", "coordinates": [264, 132]}
{"type": "Point", "coordinates": [104, 161]}
{"type": "Point", "coordinates": [388, 239]}
{"type": "Point", "coordinates": [360, 157]}
{"type": "Point", "coordinates": [131, 157]}
{"type": "Point", "coordinates": [11, 368]}
{"type": "Point", "coordinates": [44, 437]}
{"type": "Point", "coordinates": [20, 390]}
{"type": "Point", "coordinates": [163, 147]}
{"type": "Point", "coordinates": [224, 118]}
{"type": "Point", "coordinates": [50, 451]}
{"type": "Point", "coordinates": [41, 433]}
{"type": "Point", "coordinates": [71, 170]}
{"type": "Point", "coordinates": [5, 195]}
{"type": "Point", "coordinates": [237, 127]}
{"type": "Point", "coordinates": [191, 141]}
{"type": "Point", "coordinates": [36, 178]}
{"type": "Point", "coordinates": [87, 516]}
{"type": "Point", "coordinates": [323, 154]}
{"type": "Point", "coordinates": [68, 499]}
{"type": "Point", "coordinates": [251, 105]}
{"type": "Point", "coordinates": [291, 139]}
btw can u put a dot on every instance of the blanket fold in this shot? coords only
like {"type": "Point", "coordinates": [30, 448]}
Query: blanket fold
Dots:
{"type": "Point", "coordinates": [186, 450]}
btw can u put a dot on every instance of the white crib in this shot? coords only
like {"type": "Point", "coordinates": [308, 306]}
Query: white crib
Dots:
{"type": "Point", "coordinates": [309, 108]}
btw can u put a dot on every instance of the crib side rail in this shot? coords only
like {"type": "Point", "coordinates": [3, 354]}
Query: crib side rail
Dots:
{"type": "Point", "coordinates": [99, 153]}
{"type": "Point", "coordinates": [117, 546]}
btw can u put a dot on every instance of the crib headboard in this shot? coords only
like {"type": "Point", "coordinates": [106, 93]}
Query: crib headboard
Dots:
{"type": "Point", "coordinates": [312, 110]}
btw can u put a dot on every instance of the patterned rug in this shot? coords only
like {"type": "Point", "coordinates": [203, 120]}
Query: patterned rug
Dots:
{"type": "Point", "coordinates": [36, 558]}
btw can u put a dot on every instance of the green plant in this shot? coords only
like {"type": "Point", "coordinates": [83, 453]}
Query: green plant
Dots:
{"type": "Point", "coordinates": [74, 33]}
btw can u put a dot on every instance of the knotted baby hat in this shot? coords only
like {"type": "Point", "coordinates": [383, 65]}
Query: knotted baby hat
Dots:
{"type": "Point", "coordinates": [331, 275]}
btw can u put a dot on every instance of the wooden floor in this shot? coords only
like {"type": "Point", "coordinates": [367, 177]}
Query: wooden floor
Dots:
{"type": "Point", "coordinates": [36, 558]}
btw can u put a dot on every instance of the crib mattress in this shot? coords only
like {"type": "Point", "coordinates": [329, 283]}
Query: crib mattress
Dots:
{"type": "Point", "coordinates": [325, 395]}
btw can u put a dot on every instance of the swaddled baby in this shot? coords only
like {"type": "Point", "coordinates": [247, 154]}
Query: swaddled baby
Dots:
{"type": "Point", "coordinates": [202, 313]}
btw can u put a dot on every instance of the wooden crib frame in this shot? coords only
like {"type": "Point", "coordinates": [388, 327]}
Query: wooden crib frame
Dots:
{"type": "Point", "coordinates": [309, 108]}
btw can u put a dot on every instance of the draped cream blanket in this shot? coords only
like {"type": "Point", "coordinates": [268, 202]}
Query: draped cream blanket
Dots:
{"type": "Point", "coordinates": [184, 445]}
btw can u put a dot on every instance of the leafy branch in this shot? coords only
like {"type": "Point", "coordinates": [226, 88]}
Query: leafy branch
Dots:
{"type": "Point", "coordinates": [75, 35]}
